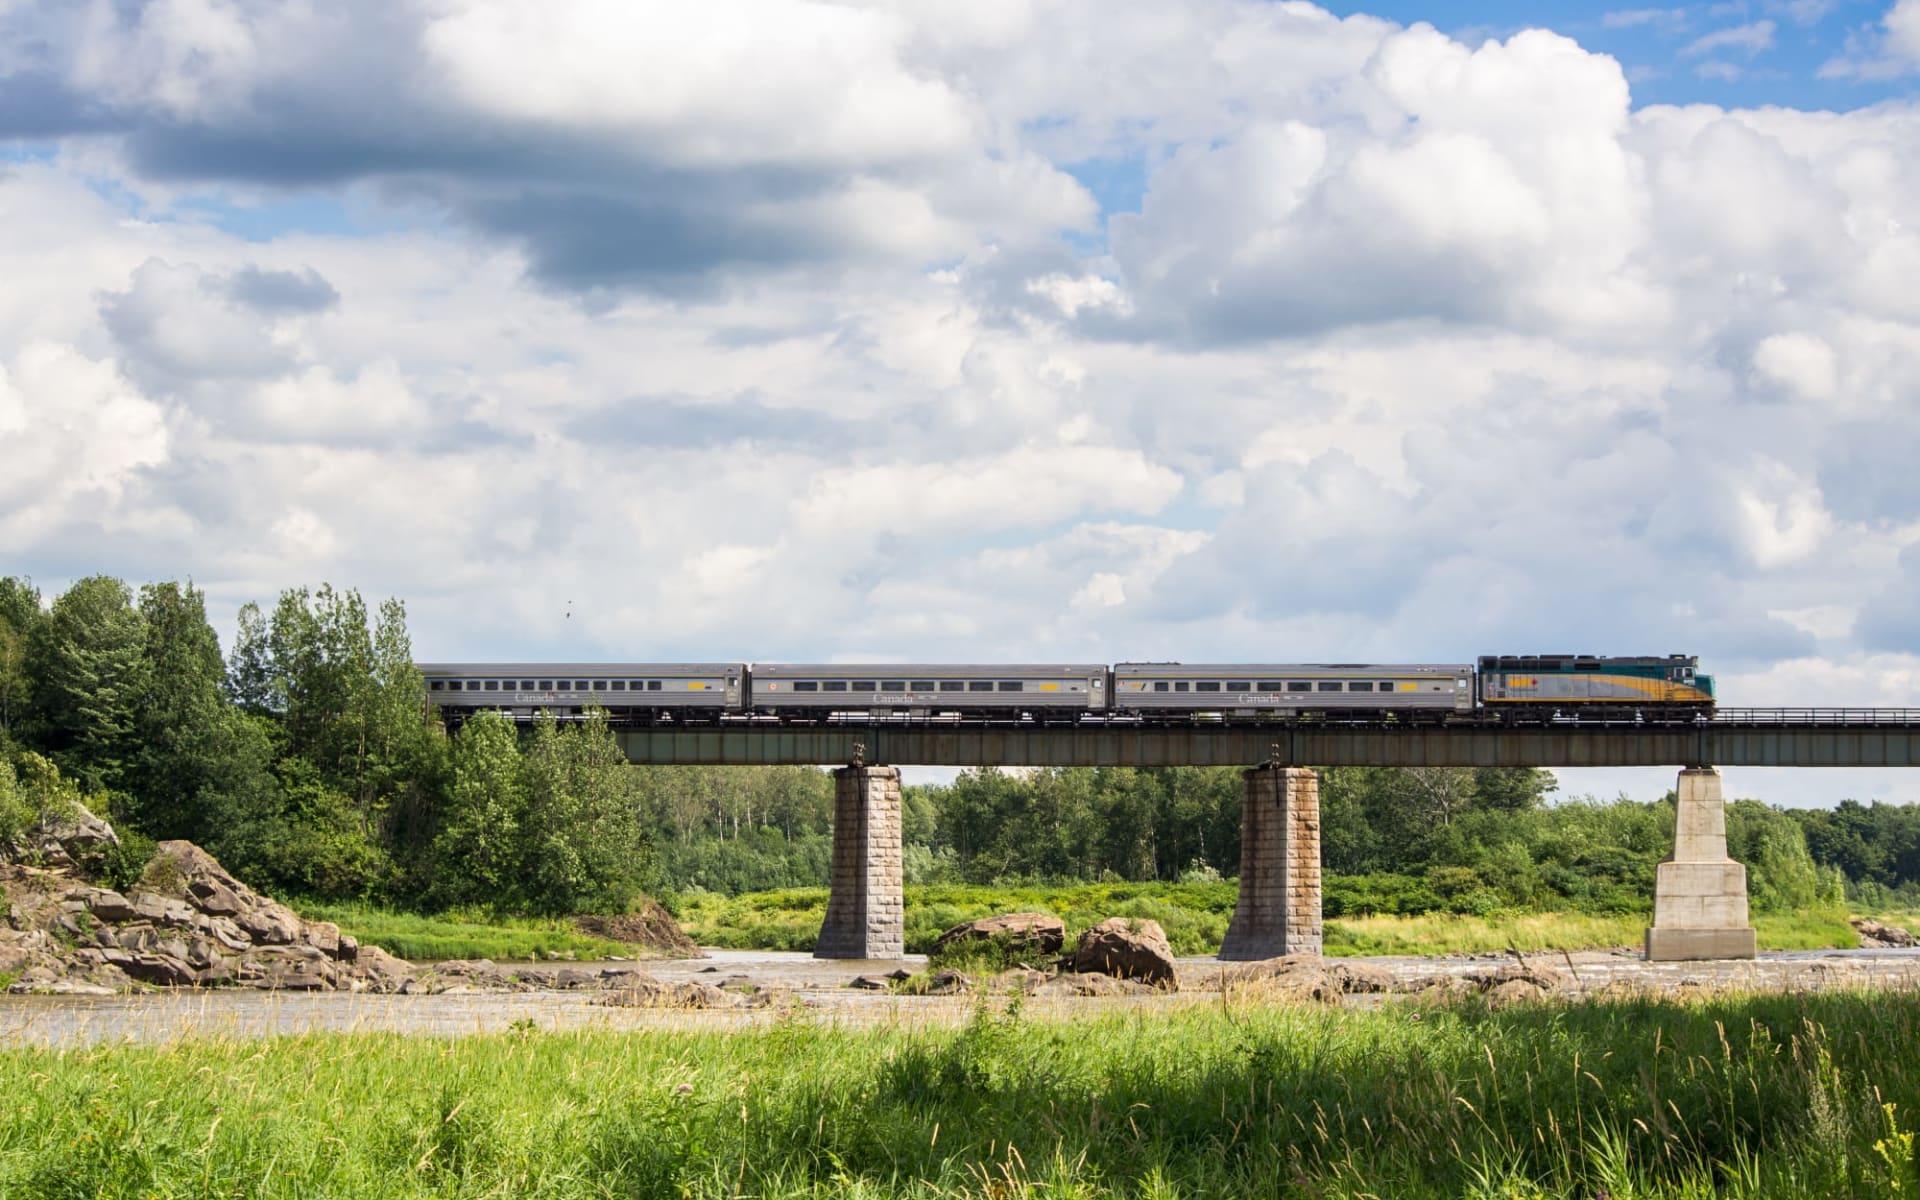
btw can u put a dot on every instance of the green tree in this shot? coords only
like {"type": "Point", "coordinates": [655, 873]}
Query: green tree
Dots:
{"type": "Point", "coordinates": [478, 842]}
{"type": "Point", "coordinates": [178, 716]}
{"type": "Point", "coordinates": [20, 620]}
{"type": "Point", "coordinates": [90, 670]}
{"type": "Point", "coordinates": [582, 843]}
{"type": "Point", "coordinates": [251, 679]}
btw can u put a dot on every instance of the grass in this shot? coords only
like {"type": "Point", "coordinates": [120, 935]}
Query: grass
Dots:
{"type": "Point", "coordinates": [1739, 1097]}
{"type": "Point", "coordinates": [466, 935]}
{"type": "Point", "coordinates": [1194, 914]}
{"type": "Point", "coordinates": [1195, 917]}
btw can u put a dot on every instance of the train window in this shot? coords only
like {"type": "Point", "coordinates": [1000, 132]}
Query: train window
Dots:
{"type": "Point", "coordinates": [1272, 685]}
{"type": "Point", "coordinates": [1160, 685]}
{"type": "Point", "coordinates": [546, 685]}
{"type": "Point", "coordinates": [1329, 685]}
{"type": "Point", "coordinates": [862, 685]}
{"type": "Point", "coordinates": [619, 685]}
{"type": "Point", "coordinates": [807, 686]}
{"type": "Point", "coordinates": [438, 685]}
{"type": "Point", "coordinates": [493, 685]}
{"type": "Point", "coordinates": [979, 685]}
{"type": "Point", "coordinates": [1238, 685]}
{"type": "Point", "coordinates": [923, 685]}
{"type": "Point", "coordinates": [1208, 686]}
{"type": "Point", "coordinates": [599, 685]}
{"type": "Point", "coordinates": [1360, 685]}
{"type": "Point", "coordinates": [834, 685]}
{"type": "Point", "coordinates": [1012, 685]}
{"type": "Point", "coordinates": [1299, 685]}
{"type": "Point", "coordinates": [952, 685]}
{"type": "Point", "coordinates": [1180, 685]}
{"type": "Point", "coordinates": [893, 685]}
{"type": "Point", "coordinates": [653, 685]}
{"type": "Point", "coordinates": [526, 685]}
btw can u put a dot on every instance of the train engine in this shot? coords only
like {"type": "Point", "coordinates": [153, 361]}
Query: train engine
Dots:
{"type": "Point", "coordinates": [1647, 688]}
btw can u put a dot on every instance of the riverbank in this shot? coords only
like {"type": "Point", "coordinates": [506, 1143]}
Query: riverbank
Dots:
{"type": "Point", "coordinates": [1735, 1095]}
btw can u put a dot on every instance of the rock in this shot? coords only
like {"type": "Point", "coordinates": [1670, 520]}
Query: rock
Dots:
{"type": "Point", "coordinates": [189, 864]}
{"type": "Point", "coordinates": [160, 969]}
{"type": "Point", "coordinates": [270, 924]}
{"type": "Point", "coordinates": [1037, 933]}
{"type": "Point", "coordinates": [73, 838]}
{"type": "Point", "coordinates": [1126, 948]}
{"type": "Point", "coordinates": [1301, 978]}
{"type": "Point", "coordinates": [1361, 978]}
{"type": "Point", "coordinates": [163, 910]}
{"type": "Point", "coordinates": [1092, 983]}
{"type": "Point", "coordinates": [1019, 979]}
{"type": "Point", "coordinates": [1541, 979]}
{"type": "Point", "coordinates": [109, 905]}
{"type": "Point", "coordinates": [382, 971]}
{"type": "Point", "coordinates": [644, 991]}
{"type": "Point", "coordinates": [569, 978]}
{"type": "Point", "coordinates": [862, 983]}
{"type": "Point", "coordinates": [948, 983]}
{"type": "Point", "coordinates": [214, 898]}
{"type": "Point", "coordinates": [1875, 936]}
{"type": "Point", "coordinates": [349, 948]}
{"type": "Point", "coordinates": [1515, 991]}
{"type": "Point", "coordinates": [323, 936]}
{"type": "Point", "coordinates": [899, 975]}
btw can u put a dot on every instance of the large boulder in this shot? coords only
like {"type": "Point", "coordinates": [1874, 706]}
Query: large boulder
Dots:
{"type": "Point", "coordinates": [71, 837]}
{"type": "Point", "coordinates": [1022, 933]}
{"type": "Point", "coordinates": [1875, 936]}
{"type": "Point", "coordinates": [1126, 948]}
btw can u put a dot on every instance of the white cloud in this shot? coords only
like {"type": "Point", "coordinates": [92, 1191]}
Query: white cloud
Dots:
{"type": "Point", "coordinates": [1413, 349]}
{"type": "Point", "coordinates": [1750, 39]}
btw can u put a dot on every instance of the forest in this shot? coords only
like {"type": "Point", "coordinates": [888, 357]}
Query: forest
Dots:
{"type": "Point", "coordinates": [305, 759]}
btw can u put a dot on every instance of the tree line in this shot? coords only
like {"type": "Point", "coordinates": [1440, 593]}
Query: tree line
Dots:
{"type": "Point", "coordinates": [306, 758]}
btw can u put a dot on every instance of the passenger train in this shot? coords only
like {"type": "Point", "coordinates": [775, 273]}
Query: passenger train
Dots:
{"type": "Point", "coordinates": [1515, 688]}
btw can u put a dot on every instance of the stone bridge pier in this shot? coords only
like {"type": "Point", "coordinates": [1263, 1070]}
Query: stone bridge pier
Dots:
{"type": "Point", "coordinates": [1700, 894]}
{"type": "Point", "coordinates": [1278, 911]}
{"type": "Point", "coordinates": [866, 908]}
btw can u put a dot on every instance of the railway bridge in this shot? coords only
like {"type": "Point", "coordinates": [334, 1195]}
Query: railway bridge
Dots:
{"type": "Point", "coordinates": [1700, 902]}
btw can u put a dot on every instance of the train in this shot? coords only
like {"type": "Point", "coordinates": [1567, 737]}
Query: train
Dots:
{"type": "Point", "coordinates": [1514, 688]}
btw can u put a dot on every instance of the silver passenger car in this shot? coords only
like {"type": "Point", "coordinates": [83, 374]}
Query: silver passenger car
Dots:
{"type": "Point", "coordinates": [524, 689]}
{"type": "Point", "coordinates": [1285, 689]}
{"type": "Point", "coordinates": [793, 688]}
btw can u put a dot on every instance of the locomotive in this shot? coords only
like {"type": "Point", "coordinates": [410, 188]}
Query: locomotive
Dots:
{"type": "Point", "coordinates": [1499, 688]}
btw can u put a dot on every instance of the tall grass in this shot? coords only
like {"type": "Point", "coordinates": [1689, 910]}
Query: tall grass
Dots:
{"type": "Point", "coordinates": [1195, 917]}
{"type": "Point", "coordinates": [463, 934]}
{"type": "Point", "coordinates": [1741, 1097]}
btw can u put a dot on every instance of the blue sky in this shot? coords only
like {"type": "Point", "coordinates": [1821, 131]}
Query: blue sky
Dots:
{"type": "Point", "coordinates": [1054, 330]}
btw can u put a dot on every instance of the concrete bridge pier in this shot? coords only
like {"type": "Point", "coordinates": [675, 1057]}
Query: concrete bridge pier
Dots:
{"type": "Point", "coordinates": [866, 907]}
{"type": "Point", "coordinates": [1278, 911]}
{"type": "Point", "coordinates": [1700, 894]}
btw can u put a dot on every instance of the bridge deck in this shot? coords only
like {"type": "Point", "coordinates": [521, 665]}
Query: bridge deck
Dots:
{"type": "Point", "coordinates": [1744, 737]}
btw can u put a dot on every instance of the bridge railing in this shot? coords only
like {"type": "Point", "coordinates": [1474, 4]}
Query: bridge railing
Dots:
{"type": "Point", "coordinates": [1817, 716]}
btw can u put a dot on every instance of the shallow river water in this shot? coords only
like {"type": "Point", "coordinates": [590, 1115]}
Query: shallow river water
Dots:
{"type": "Point", "coordinates": [817, 990]}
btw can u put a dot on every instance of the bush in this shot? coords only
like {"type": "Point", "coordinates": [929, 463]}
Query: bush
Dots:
{"type": "Point", "coordinates": [122, 866]}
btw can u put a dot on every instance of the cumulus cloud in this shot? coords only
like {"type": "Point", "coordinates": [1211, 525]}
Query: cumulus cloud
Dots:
{"type": "Point", "coordinates": [1385, 345]}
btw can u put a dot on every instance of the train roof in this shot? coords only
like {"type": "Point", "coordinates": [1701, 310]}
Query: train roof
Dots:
{"type": "Point", "coordinates": [1160, 668]}
{"type": "Point", "coordinates": [601, 668]}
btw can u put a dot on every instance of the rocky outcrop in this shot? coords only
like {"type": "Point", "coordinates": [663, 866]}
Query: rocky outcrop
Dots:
{"type": "Point", "coordinates": [1125, 948]}
{"type": "Point", "coordinates": [637, 989]}
{"type": "Point", "coordinates": [1032, 933]}
{"type": "Point", "coordinates": [1875, 936]}
{"type": "Point", "coordinates": [187, 923]}
{"type": "Point", "coordinates": [70, 838]}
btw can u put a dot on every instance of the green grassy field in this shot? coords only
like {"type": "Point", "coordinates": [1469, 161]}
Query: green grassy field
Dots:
{"type": "Point", "coordinates": [1195, 917]}
{"type": "Point", "coordinates": [465, 935]}
{"type": "Point", "coordinates": [1737, 1097]}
